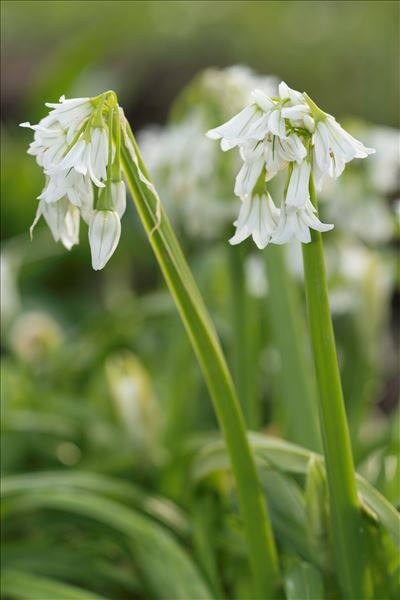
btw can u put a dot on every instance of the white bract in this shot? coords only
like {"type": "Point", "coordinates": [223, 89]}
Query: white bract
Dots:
{"type": "Point", "coordinates": [75, 147]}
{"type": "Point", "coordinates": [275, 133]}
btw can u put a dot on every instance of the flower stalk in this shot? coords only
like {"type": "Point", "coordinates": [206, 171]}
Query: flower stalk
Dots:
{"type": "Point", "coordinates": [261, 546]}
{"type": "Point", "coordinates": [347, 532]}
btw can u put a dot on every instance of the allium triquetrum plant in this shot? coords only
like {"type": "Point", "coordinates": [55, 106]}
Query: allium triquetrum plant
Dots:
{"type": "Point", "coordinates": [82, 145]}
{"type": "Point", "coordinates": [291, 133]}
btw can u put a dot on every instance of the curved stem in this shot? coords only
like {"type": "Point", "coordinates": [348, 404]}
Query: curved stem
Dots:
{"type": "Point", "coordinates": [347, 532]}
{"type": "Point", "coordinates": [260, 541]}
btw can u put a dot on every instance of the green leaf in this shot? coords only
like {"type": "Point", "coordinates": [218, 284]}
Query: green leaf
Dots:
{"type": "Point", "coordinates": [283, 456]}
{"type": "Point", "coordinates": [19, 585]}
{"type": "Point", "coordinates": [159, 508]}
{"type": "Point", "coordinates": [303, 582]}
{"type": "Point", "coordinates": [201, 332]}
{"type": "Point", "coordinates": [317, 514]}
{"type": "Point", "coordinates": [167, 569]}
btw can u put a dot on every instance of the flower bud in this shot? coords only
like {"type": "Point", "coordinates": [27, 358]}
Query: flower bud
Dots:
{"type": "Point", "coordinates": [104, 234]}
{"type": "Point", "coordinates": [118, 196]}
{"type": "Point", "coordinates": [309, 123]}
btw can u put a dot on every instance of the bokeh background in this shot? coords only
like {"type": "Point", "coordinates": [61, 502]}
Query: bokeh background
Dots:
{"type": "Point", "coordinates": [97, 373]}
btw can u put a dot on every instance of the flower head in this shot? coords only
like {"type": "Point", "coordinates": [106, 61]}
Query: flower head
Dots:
{"type": "Point", "coordinates": [273, 134]}
{"type": "Point", "coordinates": [75, 147]}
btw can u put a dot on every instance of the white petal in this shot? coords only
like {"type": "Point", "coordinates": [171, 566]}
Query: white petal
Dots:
{"type": "Point", "coordinates": [237, 127]}
{"type": "Point", "coordinates": [276, 124]}
{"type": "Point", "coordinates": [70, 231]}
{"type": "Point", "coordinates": [298, 189]}
{"type": "Point", "coordinates": [287, 93]}
{"type": "Point", "coordinates": [263, 101]}
{"type": "Point", "coordinates": [247, 177]}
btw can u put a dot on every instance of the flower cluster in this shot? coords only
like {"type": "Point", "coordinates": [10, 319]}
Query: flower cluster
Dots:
{"type": "Point", "coordinates": [288, 132]}
{"type": "Point", "coordinates": [77, 145]}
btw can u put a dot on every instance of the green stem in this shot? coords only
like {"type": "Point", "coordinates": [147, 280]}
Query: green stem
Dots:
{"type": "Point", "coordinates": [288, 331]}
{"type": "Point", "coordinates": [243, 309]}
{"type": "Point", "coordinates": [347, 532]}
{"type": "Point", "coordinates": [260, 541]}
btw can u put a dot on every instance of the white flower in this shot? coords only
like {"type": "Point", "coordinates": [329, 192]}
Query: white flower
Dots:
{"type": "Point", "coordinates": [292, 106]}
{"type": "Point", "coordinates": [49, 142]}
{"type": "Point", "coordinates": [74, 147]}
{"type": "Point", "coordinates": [278, 153]}
{"type": "Point", "coordinates": [62, 217]}
{"type": "Point", "coordinates": [296, 222]}
{"type": "Point", "coordinates": [334, 147]}
{"type": "Point", "coordinates": [236, 130]}
{"type": "Point", "coordinates": [252, 155]}
{"type": "Point", "coordinates": [104, 234]}
{"type": "Point", "coordinates": [71, 184]}
{"type": "Point", "coordinates": [87, 157]}
{"type": "Point", "coordinates": [258, 218]}
{"type": "Point", "coordinates": [71, 113]}
{"type": "Point", "coordinates": [298, 189]}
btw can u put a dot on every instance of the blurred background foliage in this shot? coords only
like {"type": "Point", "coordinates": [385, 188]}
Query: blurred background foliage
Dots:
{"type": "Point", "coordinates": [103, 405]}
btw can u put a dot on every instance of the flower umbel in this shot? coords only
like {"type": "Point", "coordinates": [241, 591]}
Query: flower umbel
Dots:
{"type": "Point", "coordinates": [273, 134]}
{"type": "Point", "coordinates": [77, 145]}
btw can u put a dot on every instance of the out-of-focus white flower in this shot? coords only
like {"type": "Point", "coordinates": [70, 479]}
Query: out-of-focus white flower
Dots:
{"type": "Point", "coordinates": [256, 280]}
{"type": "Point", "coordinates": [104, 234]}
{"type": "Point", "coordinates": [296, 222]}
{"type": "Point", "coordinates": [76, 149]}
{"type": "Point", "coordinates": [258, 218]}
{"type": "Point", "coordinates": [10, 298]}
{"type": "Point", "coordinates": [34, 336]}
{"type": "Point", "coordinates": [384, 167]}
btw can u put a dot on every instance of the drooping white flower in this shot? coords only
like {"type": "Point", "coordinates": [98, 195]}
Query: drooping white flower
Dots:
{"type": "Point", "coordinates": [334, 147]}
{"type": "Point", "coordinates": [298, 192]}
{"type": "Point", "coordinates": [75, 148]}
{"type": "Point", "coordinates": [104, 234]}
{"type": "Point", "coordinates": [49, 142]}
{"type": "Point", "coordinates": [87, 157]}
{"type": "Point", "coordinates": [62, 217]}
{"type": "Point", "coordinates": [296, 222]}
{"type": "Point", "coordinates": [292, 106]}
{"type": "Point", "coordinates": [278, 153]}
{"type": "Point", "coordinates": [293, 132]}
{"type": "Point", "coordinates": [252, 155]}
{"type": "Point", "coordinates": [70, 113]}
{"type": "Point", "coordinates": [236, 130]}
{"type": "Point", "coordinates": [72, 184]}
{"type": "Point", "coordinates": [258, 218]}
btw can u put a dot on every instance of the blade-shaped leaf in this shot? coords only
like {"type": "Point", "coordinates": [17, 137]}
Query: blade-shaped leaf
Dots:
{"type": "Point", "coordinates": [168, 570]}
